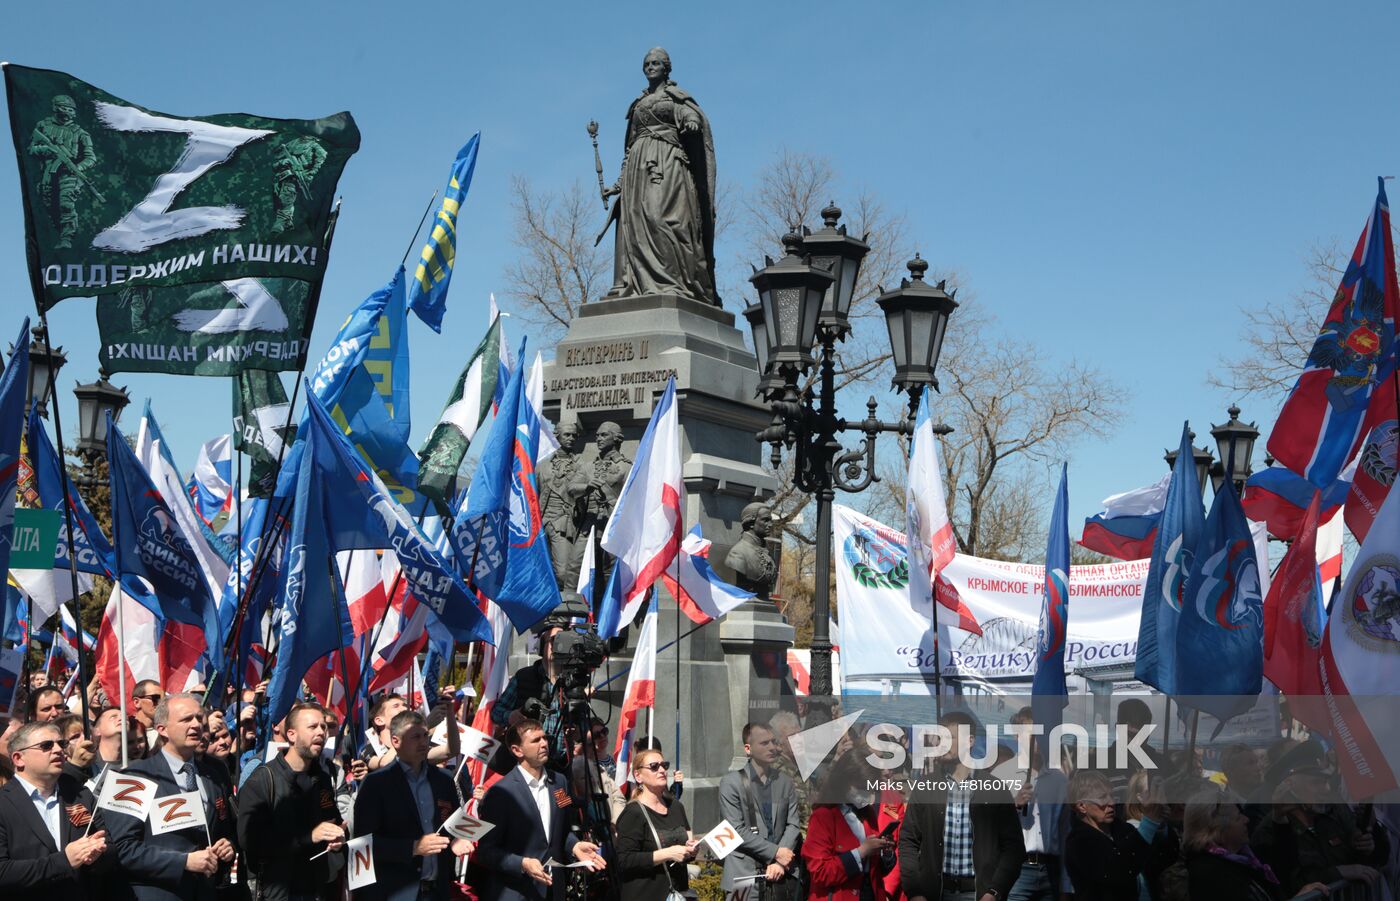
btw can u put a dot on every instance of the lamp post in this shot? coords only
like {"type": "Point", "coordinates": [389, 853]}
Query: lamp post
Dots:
{"type": "Point", "coordinates": [1203, 459]}
{"type": "Point", "coordinates": [803, 306]}
{"type": "Point", "coordinates": [1234, 442]}
{"type": "Point", "coordinates": [95, 401]}
{"type": "Point", "coordinates": [1235, 439]}
{"type": "Point", "coordinates": [44, 364]}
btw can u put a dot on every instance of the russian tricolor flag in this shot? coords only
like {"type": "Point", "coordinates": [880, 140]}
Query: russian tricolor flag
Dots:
{"type": "Point", "coordinates": [1128, 524]}
{"type": "Point", "coordinates": [1279, 497]}
{"type": "Point", "coordinates": [211, 484]}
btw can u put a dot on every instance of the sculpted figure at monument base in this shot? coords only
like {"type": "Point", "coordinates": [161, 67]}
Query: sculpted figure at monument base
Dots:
{"type": "Point", "coordinates": [561, 508]}
{"type": "Point", "coordinates": [754, 569]}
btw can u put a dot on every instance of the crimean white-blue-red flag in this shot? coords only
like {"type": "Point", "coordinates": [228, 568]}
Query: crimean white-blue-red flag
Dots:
{"type": "Point", "coordinates": [644, 532]}
{"type": "Point", "coordinates": [640, 695]}
{"type": "Point", "coordinates": [588, 570]}
{"type": "Point", "coordinates": [1048, 685]}
{"type": "Point", "coordinates": [700, 592]}
{"type": "Point", "coordinates": [1220, 636]}
{"type": "Point", "coordinates": [1183, 519]}
{"type": "Point", "coordinates": [1127, 526]}
{"type": "Point", "coordinates": [1331, 408]}
{"type": "Point", "coordinates": [931, 541]}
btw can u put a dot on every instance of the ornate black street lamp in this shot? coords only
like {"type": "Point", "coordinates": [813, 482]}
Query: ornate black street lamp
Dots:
{"type": "Point", "coordinates": [802, 312]}
{"type": "Point", "coordinates": [1204, 461]}
{"type": "Point", "coordinates": [1235, 440]}
{"type": "Point", "coordinates": [95, 401]}
{"type": "Point", "coordinates": [44, 364]}
{"type": "Point", "coordinates": [1235, 443]}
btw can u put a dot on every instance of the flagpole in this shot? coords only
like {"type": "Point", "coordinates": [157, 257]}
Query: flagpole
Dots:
{"type": "Point", "coordinates": [68, 518]}
{"type": "Point", "coordinates": [413, 242]}
{"type": "Point", "coordinates": [651, 711]}
{"type": "Point", "coordinates": [121, 667]}
{"type": "Point", "coordinates": [626, 669]}
{"type": "Point", "coordinates": [677, 750]}
{"type": "Point", "coordinates": [240, 659]}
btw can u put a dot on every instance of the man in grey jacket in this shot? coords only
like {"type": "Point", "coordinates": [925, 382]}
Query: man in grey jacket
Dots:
{"type": "Point", "coordinates": [761, 803]}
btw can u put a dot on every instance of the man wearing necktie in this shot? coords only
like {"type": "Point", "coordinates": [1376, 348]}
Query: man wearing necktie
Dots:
{"type": "Point", "coordinates": [187, 864]}
{"type": "Point", "coordinates": [44, 814]}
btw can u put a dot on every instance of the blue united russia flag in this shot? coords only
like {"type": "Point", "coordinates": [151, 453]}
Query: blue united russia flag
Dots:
{"type": "Point", "coordinates": [427, 295]}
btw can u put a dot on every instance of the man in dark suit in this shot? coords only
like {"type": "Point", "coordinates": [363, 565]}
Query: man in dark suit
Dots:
{"type": "Point", "coordinates": [531, 810]}
{"type": "Point", "coordinates": [403, 804]}
{"type": "Point", "coordinates": [967, 844]}
{"type": "Point", "coordinates": [187, 864]}
{"type": "Point", "coordinates": [43, 814]}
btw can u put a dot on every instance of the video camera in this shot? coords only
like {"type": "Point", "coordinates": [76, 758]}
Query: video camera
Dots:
{"type": "Point", "coordinates": [578, 651]}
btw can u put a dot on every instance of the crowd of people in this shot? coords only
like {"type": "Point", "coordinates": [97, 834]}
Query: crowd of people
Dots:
{"type": "Point", "coordinates": [277, 822]}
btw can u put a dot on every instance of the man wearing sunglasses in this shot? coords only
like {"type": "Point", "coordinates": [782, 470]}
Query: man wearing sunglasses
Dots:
{"type": "Point", "coordinates": [43, 815]}
{"type": "Point", "coordinates": [145, 696]}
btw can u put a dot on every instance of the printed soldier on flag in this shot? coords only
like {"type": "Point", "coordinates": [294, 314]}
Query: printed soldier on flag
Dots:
{"type": "Point", "coordinates": [65, 148]}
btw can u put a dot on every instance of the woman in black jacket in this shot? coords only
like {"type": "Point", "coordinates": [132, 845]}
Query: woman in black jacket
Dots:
{"type": "Point", "coordinates": [1103, 856]}
{"type": "Point", "coordinates": [653, 835]}
{"type": "Point", "coordinates": [1218, 858]}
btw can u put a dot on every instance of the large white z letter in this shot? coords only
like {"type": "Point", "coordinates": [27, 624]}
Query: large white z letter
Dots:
{"type": "Point", "coordinates": [151, 221]}
{"type": "Point", "coordinates": [257, 310]}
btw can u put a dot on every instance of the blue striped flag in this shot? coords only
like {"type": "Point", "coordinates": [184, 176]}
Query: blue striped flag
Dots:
{"type": "Point", "coordinates": [427, 294]}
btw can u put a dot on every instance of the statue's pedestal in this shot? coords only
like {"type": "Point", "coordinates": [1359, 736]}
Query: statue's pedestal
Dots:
{"type": "Point", "coordinates": [612, 366]}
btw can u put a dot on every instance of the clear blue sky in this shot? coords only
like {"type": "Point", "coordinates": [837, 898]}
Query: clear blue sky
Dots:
{"type": "Point", "coordinates": [1115, 180]}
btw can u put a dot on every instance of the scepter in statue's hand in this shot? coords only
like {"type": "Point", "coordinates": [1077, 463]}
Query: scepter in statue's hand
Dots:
{"type": "Point", "coordinates": [603, 189]}
{"type": "Point", "coordinates": [598, 162]}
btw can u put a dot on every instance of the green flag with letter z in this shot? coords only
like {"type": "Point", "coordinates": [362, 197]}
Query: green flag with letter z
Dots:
{"type": "Point", "coordinates": [118, 197]}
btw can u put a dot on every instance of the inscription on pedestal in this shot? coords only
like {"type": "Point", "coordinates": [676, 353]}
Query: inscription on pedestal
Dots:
{"type": "Point", "coordinates": [607, 375]}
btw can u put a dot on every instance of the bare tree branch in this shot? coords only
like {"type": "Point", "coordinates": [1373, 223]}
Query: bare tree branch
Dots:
{"type": "Point", "coordinates": [558, 269]}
